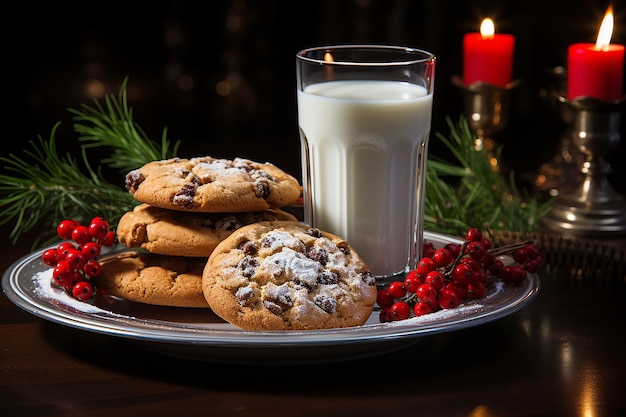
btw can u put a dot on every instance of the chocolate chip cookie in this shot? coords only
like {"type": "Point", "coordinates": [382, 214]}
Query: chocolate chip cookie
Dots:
{"type": "Point", "coordinates": [171, 232]}
{"type": "Point", "coordinates": [288, 276]}
{"type": "Point", "coordinates": [207, 184]}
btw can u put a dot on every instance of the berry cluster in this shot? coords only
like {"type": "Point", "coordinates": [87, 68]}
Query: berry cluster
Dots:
{"type": "Point", "coordinates": [75, 260]}
{"type": "Point", "coordinates": [447, 276]}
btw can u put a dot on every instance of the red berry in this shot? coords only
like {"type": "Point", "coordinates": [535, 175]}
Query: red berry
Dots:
{"type": "Point", "coordinates": [496, 267]}
{"type": "Point", "coordinates": [92, 268]}
{"type": "Point", "coordinates": [75, 258]}
{"type": "Point", "coordinates": [100, 219]}
{"type": "Point", "coordinates": [476, 250]}
{"type": "Point", "coordinates": [520, 255]}
{"type": "Point", "coordinates": [474, 235]}
{"type": "Point", "coordinates": [448, 298]}
{"type": "Point", "coordinates": [65, 229]}
{"type": "Point", "coordinates": [396, 289]}
{"type": "Point", "coordinates": [454, 249]}
{"type": "Point", "coordinates": [428, 250]}
{"type": "Point", "coordinates": [412, 281]}
{"type": "Point", "coordinates": [98, 228]}
{"type": "Point", "coordinates": [462, 273]}
{"type": "Point", "coordinates": [534, 264]}
{"type": "Point", "coordinates": [532, 251]}
{"type": "Point", "coordinates": [518, 274]}
{"type": "Point", "coordinates": [63, 273]}
{"type": "Point", "coordinates": [81, 235]}
{"type": "Point", "coordinates": [436, 279]}
{"type": "Point", "coordinates": [427, 293]}
{"type": "Point", "coordinates": [420, 308]}
{"type": "Point", "coordinates": [109, 239]}
{"type": "Point", "coordinates": [82, 291]}
{"type": "Point", "coordinates": [385, 315]}
{"type": "Point", "coordinates": [460, 289]}
{"type": "Point", "coordinates": [384, 299]}
{"type": "Point", "coordinates": [400, 311]}
{"type": "Point", "coordinates": [91, 250]}
{"type": "Point", "coordinates": [425, 265]}
{"type": "Point", "coordinates": [475, 291]}
{"type": "Point", "coordinates": [50, 257]}
{"type": "Point", "coordinates": [442, 257]}
{"type": "Point", "coordinates": [477, 277]}
{"type": "Point", "coordinates": [63, 248]}
{"type": "Point", "coordinates": [487, 243]}
{"type": "Point", "coordinates": [472, 263]}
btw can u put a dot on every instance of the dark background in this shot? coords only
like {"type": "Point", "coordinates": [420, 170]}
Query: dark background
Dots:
{"type": "Point", "coordinates": [55, 51]}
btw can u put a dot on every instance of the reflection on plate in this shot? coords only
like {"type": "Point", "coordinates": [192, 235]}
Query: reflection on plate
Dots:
{"type": "Point", "coordinates": [201, 335]}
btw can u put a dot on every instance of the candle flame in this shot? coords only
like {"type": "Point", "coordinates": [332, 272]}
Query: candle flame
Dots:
{"type": "Point", "coordinates": [328, 57]}
{"type": "Point", "coordinates": [487, 29]}
{"type": "Point", "coordinates": [606, 30]}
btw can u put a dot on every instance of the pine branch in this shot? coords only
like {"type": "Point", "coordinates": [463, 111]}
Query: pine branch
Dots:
{"type": "Point", "coordinates": [469, 193]}
{"type": "Point", "coordinates": [112, 126]}
{"type": "Point", "coordinates": [52, 188]}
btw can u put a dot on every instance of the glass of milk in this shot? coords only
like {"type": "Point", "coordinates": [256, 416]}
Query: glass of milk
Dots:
{"type": "Point", "coordinates": [364, 113]}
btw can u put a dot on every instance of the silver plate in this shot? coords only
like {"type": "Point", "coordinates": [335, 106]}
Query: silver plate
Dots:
{"type": "Point", "coordinates": [200, 335]}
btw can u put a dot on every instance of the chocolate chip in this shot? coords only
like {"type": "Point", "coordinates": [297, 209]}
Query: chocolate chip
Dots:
{"type": "Point", "coordinates": [248, 266]}
{"type": "Point", "coordinates": [327, 304]}
{"type": "Point", "coordinates": [345, 250]}
{"type": "Point", "coordinates": [314, 232]}
{"type": "Point", "coordinates": [278, 301]}
{"type": "Point", "coordinates": [262, 188]}
{"type": "Point", "coordinates": [244, 296]}
{"type": "Point", "coordinates": [248, 247]}
{"type": "Point", "coordinates": [318, 254]}
{"type": "Point", "coordinates": [184, 197]}
{"type": "Point", "coordinates": [368, 278]}
{"type": "Point", "coordinates": [267, 241]}
{"type": "Point", "coordinates": [273, 307]}
{"type": "Point", "coordinates": [327, 277]}
{"type": "Point", "coordinates": [133, 180]}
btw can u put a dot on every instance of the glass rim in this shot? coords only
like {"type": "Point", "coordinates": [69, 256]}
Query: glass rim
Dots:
{"type": "Point", "coordinates": [424, 58]}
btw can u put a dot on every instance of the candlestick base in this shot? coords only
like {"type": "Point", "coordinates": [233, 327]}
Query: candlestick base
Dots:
{"type": "Point", "coordinates": [594, 208]}
{"type": "Point", "coordinates": [561, 174]}
{"type": "Point", "coordinates": [486, 108]}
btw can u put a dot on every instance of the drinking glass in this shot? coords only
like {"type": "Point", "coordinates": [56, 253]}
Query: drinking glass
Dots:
{"type": "Point", "coordinates": [364, 113]}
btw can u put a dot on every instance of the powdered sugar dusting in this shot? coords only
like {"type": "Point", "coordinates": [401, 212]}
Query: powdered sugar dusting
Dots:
{"type": "Point", "coordinates": [294, 264]}
{"type": "Point", "coordinates": [444, 314]}
{"type": "Point", "coordinates": [45, 289]}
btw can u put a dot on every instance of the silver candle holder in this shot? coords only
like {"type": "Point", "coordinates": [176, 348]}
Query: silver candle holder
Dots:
{"type": "Point", "coordinates": [561, 174]}
{"type": "Point", "coordinates": [486, 108]}
{"type": "Point", "coordinates": [594, 208]}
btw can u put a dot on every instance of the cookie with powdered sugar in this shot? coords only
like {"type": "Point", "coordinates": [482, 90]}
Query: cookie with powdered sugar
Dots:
{"type": "Point", "coordinates": [288, 276]}
{"type": "Point", "coordinates": [209, 184]}
{"type": "Point", "coordinates": [171, 232]}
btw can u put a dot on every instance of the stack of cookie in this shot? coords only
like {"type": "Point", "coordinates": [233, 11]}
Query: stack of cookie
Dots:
{"type": "Point", "coordinates": [188, 206]}
{"type": "Point", "coordinates": [216, 237]}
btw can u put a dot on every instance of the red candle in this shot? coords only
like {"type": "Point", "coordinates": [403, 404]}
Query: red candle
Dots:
{"type": "Point", "coordinates": [488, 56]}
{"type": "Point", "coordinates": [596, 70]}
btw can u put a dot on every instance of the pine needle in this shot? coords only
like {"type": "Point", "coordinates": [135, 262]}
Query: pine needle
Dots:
{"type": "Point", "coordinates": [469, 193]}
{"type": "Point", "coordinates": [52, 188]}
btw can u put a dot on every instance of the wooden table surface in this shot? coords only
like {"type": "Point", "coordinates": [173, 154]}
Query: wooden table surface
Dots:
{"type": "Point", "coordinates": [562, 355]}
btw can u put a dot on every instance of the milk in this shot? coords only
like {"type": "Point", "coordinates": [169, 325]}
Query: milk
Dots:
{"type": "Point", "coordinates": [364, 148]}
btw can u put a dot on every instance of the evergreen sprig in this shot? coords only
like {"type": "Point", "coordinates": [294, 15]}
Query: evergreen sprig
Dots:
{"type": "Point", "coordinates": [50, 188]}
{"type": "Point", "coordinates": [37, 194]}
{"type": "Point", "coordinates": [112, 126]}
{"type": "Point", "coordinates": [470, 193]}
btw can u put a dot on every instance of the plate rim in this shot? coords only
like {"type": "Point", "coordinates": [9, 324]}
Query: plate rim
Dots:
{"type": "Point", "coordinates": [119, 325]}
